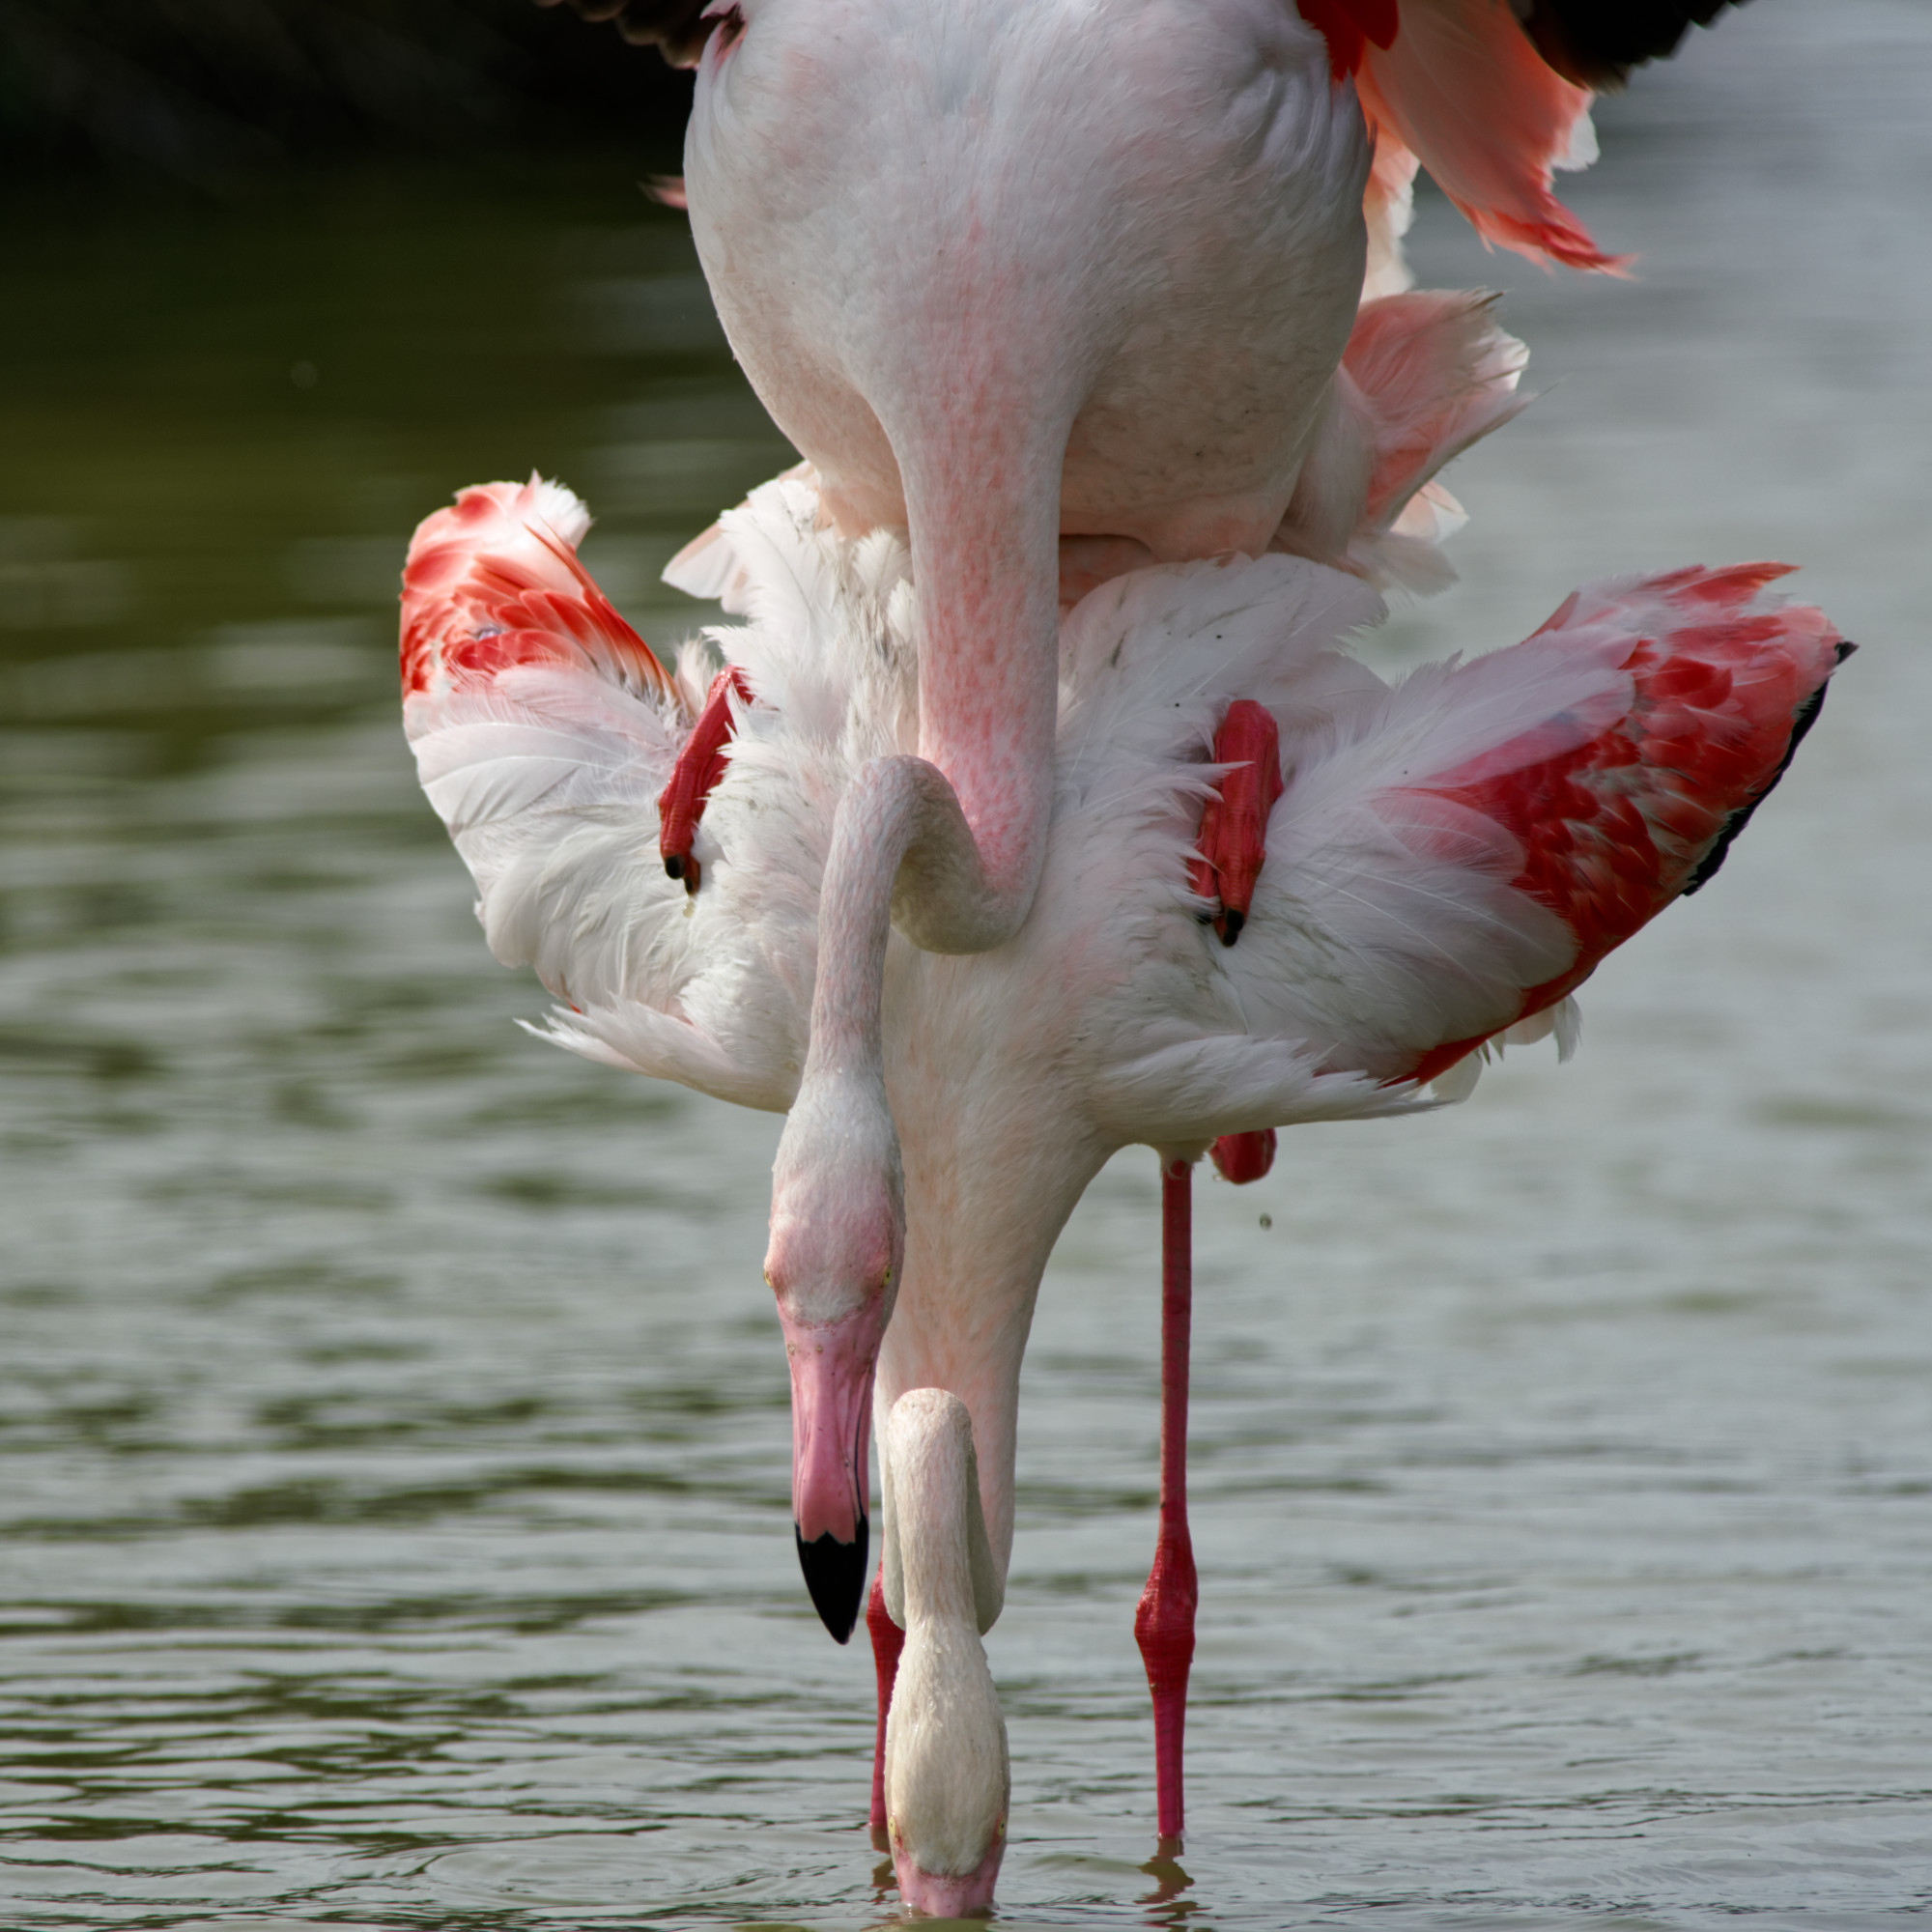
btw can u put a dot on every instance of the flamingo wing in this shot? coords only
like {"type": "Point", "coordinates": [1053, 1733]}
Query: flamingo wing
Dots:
{"type": "Point", "coordinates": [1492, 97]}
{"type": "Point", "coordinates": [545, 731]}
{"type": "Point", "coordinates": [1453, 857]}
{"type": "Point", "coordinates": [1463, 88]}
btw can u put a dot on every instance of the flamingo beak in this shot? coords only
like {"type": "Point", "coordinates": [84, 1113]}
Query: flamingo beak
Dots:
{"type": "Point", "coordinates": [832, 1365]}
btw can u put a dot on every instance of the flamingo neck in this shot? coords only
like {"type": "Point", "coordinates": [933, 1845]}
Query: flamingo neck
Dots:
{"type": "Point", "coordinates": [936, 1493]}
{"type": "Point", "coordinates": [837, 1226]}
{"type": "Point", "coordinates": [984, 520]}
{"type": "Point", "coordinates": [900, 839]}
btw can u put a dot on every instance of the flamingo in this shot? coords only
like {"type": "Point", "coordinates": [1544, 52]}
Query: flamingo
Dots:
{"type": "Point", "coordinates": [1427, 868]}
{"type": "Point", "coordinates": [1076, 277]}
{"type": "Point", "coordinates": [1077, 287]}
{"type": "Point", "coordinates": [1013, 278]}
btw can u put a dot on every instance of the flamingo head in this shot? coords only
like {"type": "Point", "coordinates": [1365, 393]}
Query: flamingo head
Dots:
{"type": "Point", "coordinates": [838, 1244]}
{"type": "Point", "coordinates": [946, 1780]}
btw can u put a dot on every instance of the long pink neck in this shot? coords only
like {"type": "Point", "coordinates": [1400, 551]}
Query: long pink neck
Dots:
{"type": "Point", "coordinates": [980, 465]}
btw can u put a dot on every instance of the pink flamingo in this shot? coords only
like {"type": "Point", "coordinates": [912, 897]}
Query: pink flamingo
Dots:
{"type": "Point", "coordinates": [1071, 288]}
{"type": "Point", "coordinates": [1069, 283]}
{"type": "Point", "coordinates": [1014, 280]}
{"type": "Point", "coordinates": [1443, 862]}
{"type": "Point", "coordinates": [1068, 289]}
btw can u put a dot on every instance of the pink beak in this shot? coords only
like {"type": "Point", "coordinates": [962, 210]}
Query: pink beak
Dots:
{"type": "Point", "coordinates": [832, 1367]}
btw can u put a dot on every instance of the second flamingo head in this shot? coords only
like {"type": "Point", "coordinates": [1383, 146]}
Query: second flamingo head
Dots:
{"type": "Point", "coordinates": [836, 1249]}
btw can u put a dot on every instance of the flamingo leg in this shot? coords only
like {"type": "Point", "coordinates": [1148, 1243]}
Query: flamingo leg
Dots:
{"type": "Point", "coordinates": [1232, 845]}
{"type": "Point", "coordinates": [1164, 1622]}
{"type": "Point", "coordinates": [888, 1641]}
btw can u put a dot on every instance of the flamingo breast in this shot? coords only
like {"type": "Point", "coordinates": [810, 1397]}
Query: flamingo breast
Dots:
{"type": "Point", "coordinates": [1140, 220]}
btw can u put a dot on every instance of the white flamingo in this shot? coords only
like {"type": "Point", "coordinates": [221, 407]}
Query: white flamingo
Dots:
{"type": "Point", "coordinates": [1447, 859]}
{"type": "Point", "coordinates": [941, 1765]}
{"type": "Point", "coordinates": [1069, 288]}
{"type": "Point", "coordinates": [1081, 273]}
{"type": "Point", "coordinates": [1068, 283]}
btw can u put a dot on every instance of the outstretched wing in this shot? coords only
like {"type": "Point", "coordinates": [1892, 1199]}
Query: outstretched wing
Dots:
{"type": "Point", "coordinates": [1455, 856]}
{"type": "Point", "coordinates": [543, 729]}
{"type": "Point", "coordinates": [543, 732]}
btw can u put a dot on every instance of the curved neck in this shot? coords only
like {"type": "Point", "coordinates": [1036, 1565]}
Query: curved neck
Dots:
{"type": "Point", "coordinates": [899, 837]}
{"type": "Point", "coordinates": [938, 1568]}
{"type": "Point", "coordinates": [934, 1560]}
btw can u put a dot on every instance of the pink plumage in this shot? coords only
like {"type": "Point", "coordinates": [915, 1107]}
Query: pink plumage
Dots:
{"type": "Point", "coordinates": [494, 581]}
{"type": "Point", "coordinates": [1722, 682]}
{"type": "Point", "coordinates": [1461, 86]}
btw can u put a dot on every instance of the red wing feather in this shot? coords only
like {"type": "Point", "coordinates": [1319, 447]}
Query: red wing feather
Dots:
{"type": "Point", "coordinates": [1724, 682]}
{"type": "Point", "coordinates": [493, 582]}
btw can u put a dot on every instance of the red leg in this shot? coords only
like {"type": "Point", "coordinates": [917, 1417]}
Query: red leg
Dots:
{"type": "Point", "coordinates": [888, 1641]}
{"type": "Point", "coordinates": [1229, 851]}
{"type": "Point", "coordinates": [1164, 1623]}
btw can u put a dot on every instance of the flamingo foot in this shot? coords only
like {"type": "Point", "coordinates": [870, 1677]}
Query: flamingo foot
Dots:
{"type": "Point", "coordinates": [698, 767]}
{"type": "Point", "coordinates": [888, 1641]}
{"type": "Point", "coordinates": [1233, 828]}
{"type": "Point", "coordinates": [1164, 1622]}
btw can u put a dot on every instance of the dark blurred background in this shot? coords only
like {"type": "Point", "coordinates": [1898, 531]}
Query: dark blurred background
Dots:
{"type": "Point", "coordinates": [281, 275]}
{"type": "Point", "coordinates": [219, 97]}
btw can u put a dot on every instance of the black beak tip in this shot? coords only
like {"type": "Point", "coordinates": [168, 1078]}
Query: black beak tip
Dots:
{"type": "Point", "coordinates": [835, 1574]}
{"type": "Point", "coordinates": [1229, 926]}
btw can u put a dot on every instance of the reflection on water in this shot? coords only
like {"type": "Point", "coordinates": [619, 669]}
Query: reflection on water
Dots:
{"type": "Point", "coordinates": [396, 1525]}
